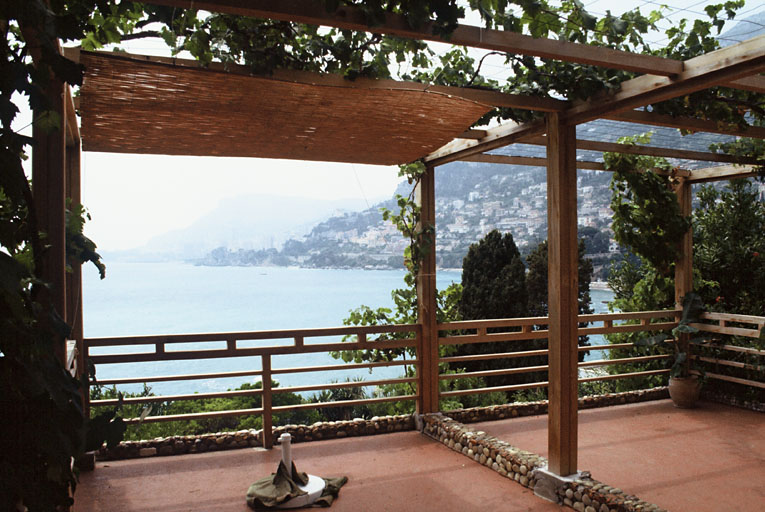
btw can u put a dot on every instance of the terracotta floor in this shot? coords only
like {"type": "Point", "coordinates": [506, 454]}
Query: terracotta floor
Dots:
{"type": "Point", "coordinates": [707, 459]}
{"type": "Point", "coordinates": [711, 458]}
{"type": "Point", "coordinates": [392, 472]}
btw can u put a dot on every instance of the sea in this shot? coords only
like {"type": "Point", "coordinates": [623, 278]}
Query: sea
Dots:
{"type": "Point", "coordinates": [177, 298]}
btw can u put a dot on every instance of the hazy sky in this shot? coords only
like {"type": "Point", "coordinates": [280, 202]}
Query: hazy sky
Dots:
{"type": "Point", "coordinates": [135, 197]}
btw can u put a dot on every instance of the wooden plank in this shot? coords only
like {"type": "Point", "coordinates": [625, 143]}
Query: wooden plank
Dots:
{"type": "Point", "coordinates": [49, 191]}
{"type": "Point", "coordinates": [343, 385]}
{"type": "Point", "coordinates": [266, 404]}
{"type": "Point", "coordinates": [727, 378]}
{"type": "Point", "coordinates": [248, 335]}
{"type": "Point", "coordinates": [636, 149]}
{"type": "Point", "coordinates": [754, 83]}
{"type": "Point", "coordinates": [170, 378]}
{"type": "Point", "coordinates": [725, 362]}
{"type": "Point", "coordinates": [344, 403]}
{"type": "Point", "coordinates": [496, 137]}
{"type": "Point", "coordinates": [684, 260]}
{"type": "Point", "coordinates": [734, 317]}
{"type": "Point", "coordinates": [624, 360]}
{"type": "Point", "coordinates": [492, 338]}
{"type": "Point", "coordinates": [562, 295]}
{"type": "Point", "coordinates": [584, 331]}
{"type": "Point", "coordinates": [195, 416]}
{"type": "Point", "coordinates": [625, 375]}
{"type": "Point", "coordinates": [345, 366]}
{"type": "Point", "coordinates": [347, 17]}
{"type": "Point", "coordinates": [721, 66]}
{"type": "Point", "coordinates": [723, 172]}
{"type": "Point", "coordinates": [498, 355]}
{"type": "Point", "coordinates": [427, 295]}
{"type": "Point", "coordinates": [732, 331]}
{"type": "Point", "coordinates": [492, 323]}
{"type": "Point", "coordinates": [182, 355]}
{"type": "Point", "coordinates": [527, 160]}
{"type": "Point", "coordinates": [173, 398]}
{"type": "Point", "coordinates": [733, 348]}
{"type": "Point", "coordinates": [684, 123]}
{"type": "Point", "coordinates": [492, 373]}
{"type": "Point", "coordinates": [505, 389]}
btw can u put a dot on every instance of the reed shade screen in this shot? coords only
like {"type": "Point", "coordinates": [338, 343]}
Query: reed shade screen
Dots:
{"type": "Point", "coordinates": [129, 106]}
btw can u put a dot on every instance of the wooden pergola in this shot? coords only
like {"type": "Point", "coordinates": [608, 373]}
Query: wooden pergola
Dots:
{"type": "Point", "coordinates": [157, 105]}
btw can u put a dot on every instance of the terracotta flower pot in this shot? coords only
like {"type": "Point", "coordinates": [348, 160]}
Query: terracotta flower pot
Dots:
{"type": "Point", "coordinates": [684, 391]}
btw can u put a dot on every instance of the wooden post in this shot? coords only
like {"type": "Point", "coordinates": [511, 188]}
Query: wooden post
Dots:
{"type": "Point", "coordinates": [562, 295]}
{"type": "Point", "coordinates": [268, 434]}
{"type": "Point", "coordinates": [48, 189]}
{"type": "Point", "coordinates": [684, 263]}
{"type": "Point", "coordinates": [426, 296]}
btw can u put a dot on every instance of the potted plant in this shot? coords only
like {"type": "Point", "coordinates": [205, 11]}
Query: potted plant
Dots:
{"type": "Point", "coordinates": [684, 381]}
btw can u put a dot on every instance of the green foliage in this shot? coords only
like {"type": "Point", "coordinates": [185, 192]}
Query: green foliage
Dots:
{"type": "Point", "coordinates": [493, 279]}
{"type": "Point", "coordinates": [729, 247]}
{"type": "Point", "coordinates": [680, 341]}
{"type": "Point", "coordinates": [79, 248]}
{"type": "Point", "coordinates": [496, 285]}
{"type": "Point", "coordinates": [200, 426]}
{"type": "Point", "coordinates": [647, 214]}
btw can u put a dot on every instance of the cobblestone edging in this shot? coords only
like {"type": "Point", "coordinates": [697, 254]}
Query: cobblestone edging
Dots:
{"type": "Point", "coordinates": [514, 410]}
{"type": "Point", "coordinates": [583, 494]}
{"type": "Point", "coordinates": [502, 457]}
{"type": "Point", "coordinates": [177, 445]}
{"type": "Point", "coordinates": [724, 398]}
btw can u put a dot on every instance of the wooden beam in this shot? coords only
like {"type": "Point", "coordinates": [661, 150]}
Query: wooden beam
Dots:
{"type": "Point", "coordinates": [483, 96]}
{"type": "Point", "coordinates": [49, 191]}
{"type": "Point", "coordinates": [685, 123]}
{"type": "Point", "coordinates": [636, 149]}
{"type": "Point", "coordinates": [721, 66]}
{"type": "Point", "coordinates": [754, 83]}
{"type": "Point", "coordinates": [527, 160]}
{"type": "Point", "coordinates": [723, 172]}
{"type": "Point", "coordinates": [496, 137]}
{"type": "Point", "coordinates": [314, 12]}
{"type": "Point", "coordinates": [427, 294]}
{"type": "Point", "coordinates": [684, 262]}
{"type": "Point", "coordinates": [562, 296]}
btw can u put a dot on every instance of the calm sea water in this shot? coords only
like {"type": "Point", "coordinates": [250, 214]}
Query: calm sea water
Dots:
{"type": "Point", "coordinates": [173, 298]}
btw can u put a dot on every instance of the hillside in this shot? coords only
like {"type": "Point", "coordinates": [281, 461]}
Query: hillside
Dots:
{"type": "Point", "coordinates": [471, 200]}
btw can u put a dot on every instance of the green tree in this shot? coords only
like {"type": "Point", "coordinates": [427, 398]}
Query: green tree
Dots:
{"type": "Point", "coordinates": [729, 247]}
{"type": "Point", "coordinates": [493, 279]}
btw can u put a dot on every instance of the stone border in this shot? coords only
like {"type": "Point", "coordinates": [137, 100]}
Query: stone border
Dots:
{"type": "Point", "coordinates": [514, 410]}
{"type": "Point", "coordinates": [177, 445]}
{"type": "Point", "coordinates": [732, 400]}
{"type": "Point", "coordinates": [583, 494]}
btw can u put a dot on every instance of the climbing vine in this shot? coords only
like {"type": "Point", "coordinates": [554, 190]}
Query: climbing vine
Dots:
{"type": "Point", "coordinates": [647, 215]}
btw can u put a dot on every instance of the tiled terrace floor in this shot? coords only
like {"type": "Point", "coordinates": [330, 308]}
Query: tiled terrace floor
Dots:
{"type": "Point", "coordinates": [710, 458]}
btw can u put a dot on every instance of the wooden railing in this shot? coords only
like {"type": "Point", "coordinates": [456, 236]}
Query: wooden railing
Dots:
{"type": "Point", "coordinates": [163, 351]}
{"type": "Point", "coordinates": [725, 325]}
{"type": "Point", "coordinates": [368, 337]}
{"type": "Point", "coordinates": [526, 329]}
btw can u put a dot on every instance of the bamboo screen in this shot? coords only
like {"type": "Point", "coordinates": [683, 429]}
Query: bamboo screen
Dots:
{"type": "Point", "coordinates": [129, 106]}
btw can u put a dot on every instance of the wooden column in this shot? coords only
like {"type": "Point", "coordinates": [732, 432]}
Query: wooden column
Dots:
{"type": "Point", "coordinates": [426, 296]}
{"type": "Point", "coordinates": [684, 263]}
{"type": "Point", "coordinates": [49, 189]}
{"type": "Point", "coordinates": [266, 402]}
{"type": "Point", "coordinates": [562, 295]}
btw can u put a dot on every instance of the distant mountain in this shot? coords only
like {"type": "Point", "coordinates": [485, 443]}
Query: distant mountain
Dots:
{"type": "Point", "coordinates": [250, 222]}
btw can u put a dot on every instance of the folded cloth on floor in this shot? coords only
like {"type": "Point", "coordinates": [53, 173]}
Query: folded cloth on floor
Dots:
{"type": "Point", "coordinates": [272, 491]}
